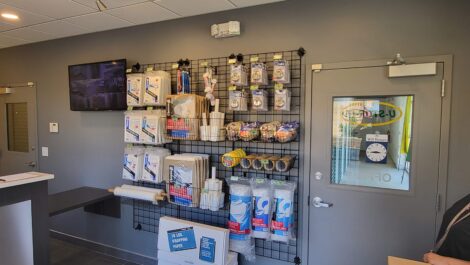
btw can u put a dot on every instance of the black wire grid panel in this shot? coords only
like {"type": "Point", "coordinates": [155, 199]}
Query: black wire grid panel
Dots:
{"type": "Point", "coordinates": [147, 215]}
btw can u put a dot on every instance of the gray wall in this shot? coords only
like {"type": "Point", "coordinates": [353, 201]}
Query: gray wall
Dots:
{"type": "Point", "coordinates": [88, 149]}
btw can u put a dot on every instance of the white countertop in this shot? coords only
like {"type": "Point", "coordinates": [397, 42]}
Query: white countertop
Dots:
{"type": "Point", "coordinates": [23, 178]}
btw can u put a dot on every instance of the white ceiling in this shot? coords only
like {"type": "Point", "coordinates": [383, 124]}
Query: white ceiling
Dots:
{"type": "Point", "coordinates": [41, 20]}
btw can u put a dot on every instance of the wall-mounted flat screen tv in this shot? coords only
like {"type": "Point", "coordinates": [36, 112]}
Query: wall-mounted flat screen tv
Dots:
{"type": "Point", "coordinates": [98, 86]}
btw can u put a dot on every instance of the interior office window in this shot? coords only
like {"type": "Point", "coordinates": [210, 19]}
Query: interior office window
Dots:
{"type": "Point", "coordinates": [17, 127]}
{"type": "Point", "coordinates": [371, 141]}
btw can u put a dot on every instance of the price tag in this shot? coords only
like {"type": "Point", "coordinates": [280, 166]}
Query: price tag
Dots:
{"type": "Point", "coordinates": [260, 181]}
{"type": "Point", "coordinates": [232, 88]}
{"type": "Point", "coordinates": [175, 66]}
{"type": "Point", "coordinates": [149, 108]}
{"type": "Point", "coordinates": [278, 86]}
{"type": "Point", "coordinates": [204, 64]}
{"type": "Point", "coordinates": [130, 108]}
{"type": "Point", "coordinates": [254, 59]}
{"type": "Point", "coordinates": [150, 68]}
{"type": "Point", "coordinates": [232, 61]}
{"type": "Point", "coordinates": [129, 145]}
{"type": "Point", "coordinates": [234, 178]}
{"type": "Point", "coordinates": [278, 56]}
{"type": "Point", "coordinates": [129, 70]}
{"type": "Point", "coordinates": [254, 87]}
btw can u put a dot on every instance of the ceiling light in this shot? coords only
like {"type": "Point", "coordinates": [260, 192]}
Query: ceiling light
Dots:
{"type": "Point", "coordinates": [101, 6]}
{"type": "Point", "coordinates": [9, 16]}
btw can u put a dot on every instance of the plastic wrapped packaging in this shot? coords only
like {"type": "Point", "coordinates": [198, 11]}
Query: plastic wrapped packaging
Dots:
{"type": "Point", "coordinates": [238, 100]}
{"type": "Point", "coordinates": [132, 126]}
{"type": "Point", "coordinates": [250, 131]}
{"type": "Point", "coordinates": [154, 159]}
{"type": "Point", "coordinates": [262, 207]}
{"type": "Point", "coordinates": [153, 127]}
{"type": "Point", "coordinates": [233, 130]}
{"type": "Point", "coordinates": [287, 132]}
{"type": "Point", "coordinates": [281, 72]}
{"type": "Point", "coordinates": [239, 223]}
{"type": "Point", "coordinates": [260, 100]}
{"type": "Point", "coordinates": [282, 224]}
{"type": "Point", "coordinates": [282, 99]}
{"type": "Point", "coordinates": [133, 161]}
{"type": "Point", "coordinates": [238, 75]}
{"type": "Point", "coordinates": [135, 89]}
{"type": "Point", "coordinates": [157, 87]}
{"type": "Point", "coordinates": [268, 130]}
{"type": "Point", "coordinates": [259, 75]}
{"type": "Point", "coordinates": [233, 158]}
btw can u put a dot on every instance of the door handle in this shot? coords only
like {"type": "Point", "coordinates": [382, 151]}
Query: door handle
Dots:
{"type": "Point", "coordinates": [317, 202]}
{"type": "Point", "coordinates": [31, 164]}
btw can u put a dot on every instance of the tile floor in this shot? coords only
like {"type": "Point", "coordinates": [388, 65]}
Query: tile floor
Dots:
{"type": "Point", "coordinates": [64, 253]}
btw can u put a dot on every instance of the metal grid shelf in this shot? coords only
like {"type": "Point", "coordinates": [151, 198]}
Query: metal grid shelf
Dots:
{"type": "Point", "coordinates": [147, 215]}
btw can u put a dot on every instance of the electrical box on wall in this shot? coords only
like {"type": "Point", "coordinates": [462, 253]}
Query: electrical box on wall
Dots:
{"type": "Point", "coordinates": [225, 30]}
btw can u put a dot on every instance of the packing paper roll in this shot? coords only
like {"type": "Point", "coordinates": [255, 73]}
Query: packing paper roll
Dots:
{"type": "Point", "coordinates": [139, 194]}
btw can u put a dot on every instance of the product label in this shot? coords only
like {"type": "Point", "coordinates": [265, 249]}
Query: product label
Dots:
{"type": "Point", "coordinates": [181, 239]}
{"type": "Point", "coordinates": [261, 213]}
{"type": "Point", "coordinates": [181, 185]}
{"type": "Point", "coordinates": [240, 217]}
{"type": "Point", "coordinates": [207, 249]}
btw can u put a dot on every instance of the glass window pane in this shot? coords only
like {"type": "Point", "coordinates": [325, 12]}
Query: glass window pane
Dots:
{"type": "Point", "coordinates": [17, 127]}
{"type": "Point", "coordinates": [371, 141]}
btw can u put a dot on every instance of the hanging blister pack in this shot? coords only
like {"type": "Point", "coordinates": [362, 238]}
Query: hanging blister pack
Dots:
{"type": "Point", "coordinates": [238, 100]}
{"type": "Point", "coordinates": [262, 207]}
{"type": "Point", "coordinates": [241, 209]}
{"type": "Point", "coordinates": [157, 87]}
{"type": "Point", "coordinates": [259, 74]}
{"type": "Point", "coordinates": [238, 75]}
{"type": "Point", "coordinates": [260, 100]}
{"type": "Point", "coordinates": [282, 224]}
{"type": "Point", "coordinates": [281, 72]}
{"type": "Point", "coordinates": [135, 89]}
{"type": "Point", "coordinates": [282, 99]}
{"type": "Point", "coordinates": [133, 161]}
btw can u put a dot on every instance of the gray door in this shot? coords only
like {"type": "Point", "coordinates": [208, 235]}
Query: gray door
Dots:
{"type": "Point", "coordinates": [374, 161]}
{"type": "Point", "coordinates": [18, 131]}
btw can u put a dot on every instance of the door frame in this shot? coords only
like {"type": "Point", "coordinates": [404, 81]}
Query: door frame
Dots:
{"type": "Point", "coordinates": [30, 84]}
{"type": "Point", "coordinates": [441, 206]}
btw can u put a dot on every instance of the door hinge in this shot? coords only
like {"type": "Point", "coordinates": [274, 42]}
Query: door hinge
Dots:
{"type": "Point", "coordinates": [443, 88]}
{"type": "Point", "coordinates": [308, 200]}
{"type": "Point", "coordinates": [438, 202]}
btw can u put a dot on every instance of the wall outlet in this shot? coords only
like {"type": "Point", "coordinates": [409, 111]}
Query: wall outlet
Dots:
{"type": "Point", "coordinates": [45, 151]}
{"type": "Point", "coordinates": [53, 127]}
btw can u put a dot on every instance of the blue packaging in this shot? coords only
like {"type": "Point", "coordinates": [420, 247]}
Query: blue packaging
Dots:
{"type": "Point", "coordinates": [240, 217]}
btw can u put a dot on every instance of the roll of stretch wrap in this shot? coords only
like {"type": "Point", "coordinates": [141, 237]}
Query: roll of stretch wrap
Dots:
{"type": "Point", "coordinates": [140, 193]}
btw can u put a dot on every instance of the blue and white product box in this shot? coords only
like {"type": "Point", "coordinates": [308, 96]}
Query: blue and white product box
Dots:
{"type": "Point", "coordinates": [183, 242]}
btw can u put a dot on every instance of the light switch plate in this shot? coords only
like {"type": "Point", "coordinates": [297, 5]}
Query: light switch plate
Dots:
{"type": "Point", "coordinates": [53, 127]}
{"type": "Point", "coordinates": [45, 151]}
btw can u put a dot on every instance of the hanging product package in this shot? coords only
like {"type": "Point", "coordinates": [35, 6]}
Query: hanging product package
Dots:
{"type": "Point", "coordinates": [281, 72]}
{"type": "Point", "coordinates": [238, 100]}
{"type": "Point", "coordinates": [262, 207]}
{"type": "Point", "coordinates": [282, 99]}
{"type": "Point", "coordinates": [154, 159]}
{"type": "Point", "coordinates": [153, 127]}
{"type": "Point", "coordinates": [282, 224]}
{"type": "Point", "coordinates": [241, 208]}
{"type": "Point", "coordinates": [238, 75]}
{"type": "Point", "coordinates": [259, 75]}
{"type": "Point", "coordinates": [132, 126]}
{"type": "Point", "coordinates": [157, 87]}
{"type": "Point", "coordinates": [133, 160]}
{"type": "Point", "coordinates": [135, 89]}
{"type": "Point", "coordinates": [260, 100]}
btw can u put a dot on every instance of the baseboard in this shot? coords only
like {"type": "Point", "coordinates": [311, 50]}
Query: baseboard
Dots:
{"type": "Point", "coordinates": [105, 249]}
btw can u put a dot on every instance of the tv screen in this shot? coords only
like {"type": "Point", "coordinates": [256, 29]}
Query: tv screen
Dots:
{"type": "Point", "coordinates": [98, 86]}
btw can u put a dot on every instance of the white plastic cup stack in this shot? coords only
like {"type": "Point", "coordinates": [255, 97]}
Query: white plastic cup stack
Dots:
{"type": "Point", "coordinates": [212, 198]}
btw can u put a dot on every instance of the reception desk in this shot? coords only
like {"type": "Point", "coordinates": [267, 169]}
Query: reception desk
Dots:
{"type": "Point", "coordinates": [24, 219]}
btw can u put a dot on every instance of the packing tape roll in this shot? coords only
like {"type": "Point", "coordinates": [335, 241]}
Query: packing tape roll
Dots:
{"type": "Point", "coordinates": [285, 163]}
{"type": "Point", "coordinates": [259, 162]}
{"type": "Point", "coordinates": [247, 161]}
{"type": "Point", "coordinates": [270, 163]}
{"type": "Point", "coordinates": [233, 158]}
